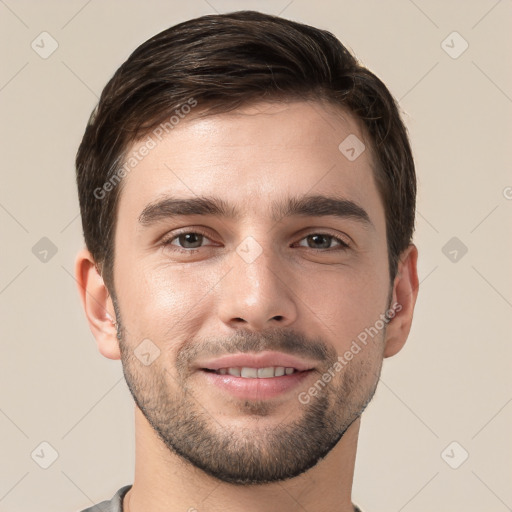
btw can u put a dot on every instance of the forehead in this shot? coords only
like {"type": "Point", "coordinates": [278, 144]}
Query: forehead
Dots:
{"type": "Point", "coordinates": [253, 157]}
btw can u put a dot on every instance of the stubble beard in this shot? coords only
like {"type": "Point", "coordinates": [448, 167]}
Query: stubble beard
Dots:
{"type": "Point", "coordinates": [256, 454]}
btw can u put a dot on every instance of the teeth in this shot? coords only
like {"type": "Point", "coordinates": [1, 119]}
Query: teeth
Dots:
{"type": "Point", "coordinates": [265, 373]}
{"type": "Point", "coordinates": [249, 372]}
{"type": "Point", "coordinates": [257, 373]}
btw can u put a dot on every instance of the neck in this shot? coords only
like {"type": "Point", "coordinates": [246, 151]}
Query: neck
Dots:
{"type": "Point", "coordinates": [165, 482]}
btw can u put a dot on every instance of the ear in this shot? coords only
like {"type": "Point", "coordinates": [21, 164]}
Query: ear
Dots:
{"type": "Point", "coordinates": [405, 292]}
{"type": "Point", "coordinates": [97, 305]}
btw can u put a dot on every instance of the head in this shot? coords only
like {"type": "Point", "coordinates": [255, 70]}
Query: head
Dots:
{"type": "Point", "coordinates": [265, 145]}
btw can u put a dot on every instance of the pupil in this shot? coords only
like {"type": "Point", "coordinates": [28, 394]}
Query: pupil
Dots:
{"type": "Point", "coordinates": [188, 238]}
{"type": "Point", "coordinates": [316, 238]}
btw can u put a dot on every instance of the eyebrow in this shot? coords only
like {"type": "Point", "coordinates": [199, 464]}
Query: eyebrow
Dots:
{"type": "Point", "coordinates": [307, 205]}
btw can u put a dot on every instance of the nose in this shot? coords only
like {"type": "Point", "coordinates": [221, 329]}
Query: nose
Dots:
{"type": "Point", "coordinates": [258, 294]}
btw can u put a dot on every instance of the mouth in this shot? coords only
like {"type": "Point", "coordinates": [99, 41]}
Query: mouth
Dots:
{"type": "Point", "coordinates": [246, 372]}
{"type": "Point", "coordinates": [249, 383]}
{"type": "Point", "coordinates": [258, 376]}
{"type": "Point", "coordinates": [265, 364]}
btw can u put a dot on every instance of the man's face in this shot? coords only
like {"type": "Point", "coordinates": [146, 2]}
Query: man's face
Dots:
{"type": "Point", "coordinates": [265, 282]}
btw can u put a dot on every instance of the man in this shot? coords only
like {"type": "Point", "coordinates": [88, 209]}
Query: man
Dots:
{"type": "Point", "coordinates": [247, 194]}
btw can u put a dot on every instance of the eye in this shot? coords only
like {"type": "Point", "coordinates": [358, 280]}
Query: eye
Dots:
{"type": "Point", "coordinates": [188, 241]}
{"type": "Point", "coordinates": [323, 241]}
{"type": "Point", "coordinates": [191, 241]}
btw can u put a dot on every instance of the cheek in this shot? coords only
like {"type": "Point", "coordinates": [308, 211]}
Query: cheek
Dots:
{"type": "Point", "coordinates": [158, 301]}
{"type": "Point", "coordinates": [347, 304]}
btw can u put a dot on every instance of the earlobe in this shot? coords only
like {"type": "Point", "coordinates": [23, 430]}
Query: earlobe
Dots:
{"type": "Point", "coordinates": [405, 292]}
{"type": "Point", "coordinates": [97, 305]}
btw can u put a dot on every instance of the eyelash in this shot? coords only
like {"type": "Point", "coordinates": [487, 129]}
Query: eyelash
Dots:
{"type": "Point", "coordinates": [168, 242]}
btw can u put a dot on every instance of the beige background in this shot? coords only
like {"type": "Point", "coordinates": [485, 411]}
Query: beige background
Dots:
{"type": "Point", "coordinates": [453, 379]}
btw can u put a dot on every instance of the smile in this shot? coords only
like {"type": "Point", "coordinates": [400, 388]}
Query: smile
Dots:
{"type": "Point", "coordinates": [255, 373]}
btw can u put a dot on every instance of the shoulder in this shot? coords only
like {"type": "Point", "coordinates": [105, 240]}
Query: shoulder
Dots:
{"type": "Point", "coordinates": [113, 505]}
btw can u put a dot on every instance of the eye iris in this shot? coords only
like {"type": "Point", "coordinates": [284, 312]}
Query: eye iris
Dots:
{"type": "Point", "coordinates": [190, 238]}
{"type": "Point", "coordinates": [315, 239]}
{"type": "Point", "coordinates": [194, 240]}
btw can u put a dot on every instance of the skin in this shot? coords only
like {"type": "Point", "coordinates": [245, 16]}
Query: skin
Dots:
{"type": "Point", "coordinates": [188, 303]}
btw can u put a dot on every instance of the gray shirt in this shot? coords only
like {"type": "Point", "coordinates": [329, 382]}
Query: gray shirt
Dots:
{"type": "Point", "coordinates": [113, 505]}
{"type": "Point", "coordinates": [116, 503]}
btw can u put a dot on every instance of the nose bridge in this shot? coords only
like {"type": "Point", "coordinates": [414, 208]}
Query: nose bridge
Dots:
{"type": "Point", "coordinates": [255, 292]}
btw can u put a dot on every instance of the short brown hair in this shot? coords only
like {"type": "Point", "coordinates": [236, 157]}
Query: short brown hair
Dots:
{"type": "Point", "coordinates": [224, 62]}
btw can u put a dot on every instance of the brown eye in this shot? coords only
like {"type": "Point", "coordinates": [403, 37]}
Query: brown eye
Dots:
{"type": "Point", "coordinates": [190, 240]}
{"type": "Point", "coordinates": [323, 241]}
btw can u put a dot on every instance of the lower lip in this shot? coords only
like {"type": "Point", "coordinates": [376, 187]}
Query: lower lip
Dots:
{"type": "Point", "coordinates": [253, 388]}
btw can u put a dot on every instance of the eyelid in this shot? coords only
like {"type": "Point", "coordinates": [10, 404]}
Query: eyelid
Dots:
{"type": "Point", "coordinates": [342, 243]}
{"type": "Point", "coordinates": [342, 237]}
{"type": "Point", "coordinates": [175, 234]}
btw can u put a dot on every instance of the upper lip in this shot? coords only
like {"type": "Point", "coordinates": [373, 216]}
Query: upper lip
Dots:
{"type": "Point", "coordinates": [258, 360]}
